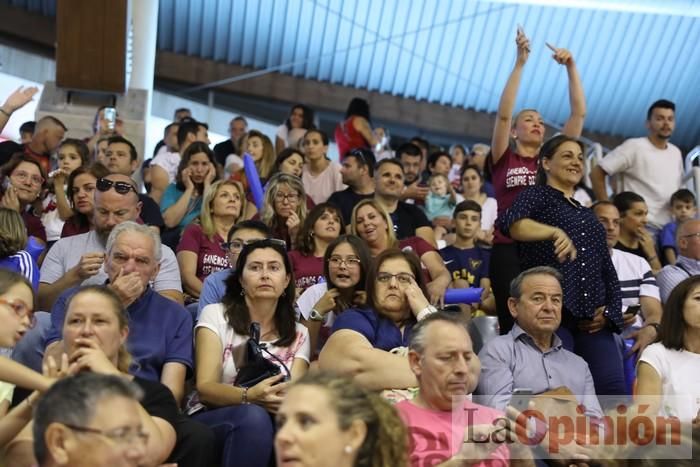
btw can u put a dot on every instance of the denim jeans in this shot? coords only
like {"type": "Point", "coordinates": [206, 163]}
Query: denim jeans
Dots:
{"type": "Point", "coordinates": [244, 434]}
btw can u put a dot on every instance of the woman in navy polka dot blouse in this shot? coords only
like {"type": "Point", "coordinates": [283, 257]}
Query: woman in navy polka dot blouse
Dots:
{"type": "Point", "coordinates": [553, 229]}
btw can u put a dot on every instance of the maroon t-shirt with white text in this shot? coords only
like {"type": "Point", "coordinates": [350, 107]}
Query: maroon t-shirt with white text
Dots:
{"type": "Point", "coordinates": [210, 256]}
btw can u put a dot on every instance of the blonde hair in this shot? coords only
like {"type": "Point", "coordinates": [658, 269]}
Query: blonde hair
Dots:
{"type": "Point", "coordinates": [386, 441]}
{"type": "Point", "coordinates": [391, 236]}
{"type": "Point", "coordinates": [13, 233]}
{"type": "Point", "coordinates": [268, 214]}
{"type": "Point", "coordinates": [123, 357]}
{"type": "Point", "coordinates": [267, 161]}
{"type": "Point", "coordinates": [205, 216]}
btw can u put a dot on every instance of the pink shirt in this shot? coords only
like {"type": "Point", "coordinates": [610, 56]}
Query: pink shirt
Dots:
{"type": "Point", "coordinates": [210, 256]}
{"type": "Point", "coordinates": [510, 176]}
{"type": "Point", "coordinates": [434, 441]}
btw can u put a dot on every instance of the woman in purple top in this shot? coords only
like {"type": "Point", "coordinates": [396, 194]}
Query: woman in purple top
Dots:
{"type": "Point", "coordinates": [513, 165]}
{"type": "Point", "coordinates": [363, 338]}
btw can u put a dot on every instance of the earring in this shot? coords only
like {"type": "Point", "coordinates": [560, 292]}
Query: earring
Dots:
{"type": "Point", "coordinates": [347, 449]}
{"type": "Point", "coordinates": [242, 292]}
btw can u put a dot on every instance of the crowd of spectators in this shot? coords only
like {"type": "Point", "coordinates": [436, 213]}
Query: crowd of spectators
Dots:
{"type": "Point", "coordinates": [137, 315]}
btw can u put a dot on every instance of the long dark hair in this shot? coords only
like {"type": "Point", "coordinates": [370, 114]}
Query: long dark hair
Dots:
{"type": "Point", "coordinates": [305, 239]}
{"type": "Point", "coordinates": [98, 171]}
{"type": "Point", "coordinates": [192, 149]}
{"type": "Point", "coordinates": [236, 310]}
{"type": "Point", "coordinates": [547, 152]}
{"type": "Point", "coordinates": [673, 325]}
{"type": "Point", "coordinates": [358, 107]}
{"type": "Point", "coordinates": [308, 120]}
{"type": "Point", "coordinates": [360, 248]}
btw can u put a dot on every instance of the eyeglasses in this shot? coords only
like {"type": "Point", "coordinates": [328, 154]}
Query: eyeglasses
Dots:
{"type": "Point", "coordinates": [350, 261]}
{"type": "Point", "coordinates": [21, 309]}
{"type": "Point", "coordinates": [22, 176]}
{"type": "Point", "coordinates": [289, 197]}
{"type": "Point", "coordinates": [696, 234]}
{"type": "Point", "coordinates": [403, 278]}
{"type": "Point", "coordinates": [124, 436]}
{"type": "Point", "coordinates": [122, 188]}
{"type": "Point", "coordinates": [237, 245]}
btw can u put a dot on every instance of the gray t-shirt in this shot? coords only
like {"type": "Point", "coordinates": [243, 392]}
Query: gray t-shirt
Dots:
{"type": "Point", "coordinates": [65, 254]}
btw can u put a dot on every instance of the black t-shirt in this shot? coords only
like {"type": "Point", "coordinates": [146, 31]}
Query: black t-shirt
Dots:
{"type": "Point", "coordinates": [222, 151]}
{"type": "Point", "coordinates": [158, 401]}
{"type": "Point", "coordinates": [150, 212]}
{"type": "Point", "coordinates": [407, 218]}
{"type": "Point", "coordinates": [346, 200]}
{"type": "Point", "coordinates": [7, 149]}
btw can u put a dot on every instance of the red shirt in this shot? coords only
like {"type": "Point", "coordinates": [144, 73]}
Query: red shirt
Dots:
{"type": "Point", "coordinates": [510, 176]}
{"type": "Point", "coordinates": [347, 137]}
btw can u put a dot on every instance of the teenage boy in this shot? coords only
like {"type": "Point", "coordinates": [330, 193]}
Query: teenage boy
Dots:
{"type": "Point", "coordinates": [683, 208]}
{"type": "Point", "coordinates": [468, 263]}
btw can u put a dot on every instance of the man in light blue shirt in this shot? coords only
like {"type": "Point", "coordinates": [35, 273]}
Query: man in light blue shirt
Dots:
{"type": "Point", "coordinates": [531, 355]}
{"type": "Point", "coordinates": [214, 286]}
{"type": "Point", "coordinates": [688, 262]}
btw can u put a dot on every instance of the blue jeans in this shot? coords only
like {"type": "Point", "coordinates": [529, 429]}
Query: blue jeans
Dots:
{"type": "Point", "coordinates": [601, 351]}
{"type": "Point", "coordinates": [244, 434]}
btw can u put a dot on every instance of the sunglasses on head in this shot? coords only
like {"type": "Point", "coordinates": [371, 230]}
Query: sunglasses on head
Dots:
{"type": "Point", "coordinates": [122, 188]}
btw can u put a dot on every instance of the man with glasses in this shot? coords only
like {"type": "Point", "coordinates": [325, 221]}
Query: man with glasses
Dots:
{"type": "Point", "coordinates": [214, 285]}
{"type": "Point", "coordinates": [90, 419]}
{"type": "Point", "coordinates": [688, 262]}
{"type": "Point", "coordinates": [78, 260]}
{"type": "Point", "coordinates": [121, 158]}
{"type": "Point", "coordinates": [357, 171]}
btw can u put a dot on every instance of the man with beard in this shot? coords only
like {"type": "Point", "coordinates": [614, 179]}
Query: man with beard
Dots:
{"type": "Point", "coordinates": [358, 174]}
{"type": "Point", "coordinates": [78, 260]}
{"type": "Point", "coordinates": [650, 166]}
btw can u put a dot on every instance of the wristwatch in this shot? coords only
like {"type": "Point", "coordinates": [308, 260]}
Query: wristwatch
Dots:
{"type": "Point", "coordinates": [315, 315]}
{"type": "Point", "coordinates": [656, 327]}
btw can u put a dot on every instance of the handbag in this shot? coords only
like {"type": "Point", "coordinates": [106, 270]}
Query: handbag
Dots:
{"type": "Point", "coordinates": [256, 367]}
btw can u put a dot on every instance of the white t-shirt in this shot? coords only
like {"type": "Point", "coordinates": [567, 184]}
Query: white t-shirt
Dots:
{"type": "Point", "coordinates": [489, 212]}
{"type": "Point", "coordinates": [169, 161]}
{"type": "Point", "coordinates": [680, 380]}
{"type": "Point", "coordinates": [320, 187]}
{"type": "Point", "coordinates": [309, 298]}
{"type": "Point", "coordinates": [636, 279]}
{"type": "Point", "coordinates": [653, 173]}
{"type": "Point", "coordinates": [50, 218]}
{"type": "Point", "coordinates": [233, 344]}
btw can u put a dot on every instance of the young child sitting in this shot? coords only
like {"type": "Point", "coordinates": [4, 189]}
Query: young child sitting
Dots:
{"type": "Point", "coordinates": [440, 203]}
{"type": "Point", "coordinates": [683, 208]}
{"type": "Point", "coordinates": [468, 263]}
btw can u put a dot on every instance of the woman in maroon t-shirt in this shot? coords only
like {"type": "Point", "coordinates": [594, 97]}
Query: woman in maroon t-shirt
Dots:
{"type": "Point", "coordinates": [513, 165]}
{"type": "Point", "coordinates": [200, 251]}
{"type": "Point", "coordinates": [23, 180]}
{"type": "Point", "coordinates": [373, 224]}
{"type": "Point", "coordinates": [323, 225]}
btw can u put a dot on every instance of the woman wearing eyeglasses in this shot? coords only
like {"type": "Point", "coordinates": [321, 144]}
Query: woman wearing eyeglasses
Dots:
{"type": "Point", "coordinates": [363, 338]}
{"type": "Point", "coordinates": [82, 184]}
{"type": "Point", "coordinates": [322, 225]}
{"type": "Point", "coordinates": [95, 330]}
{"type": "Point", "coordinates": [199, 252]}
{"type": "Point", "coordinates": [345, 266]}
{"type": "Point", "coordinates": [17, 316]}
{"type": "Point", "coordinates": [284, 207]}
{"type": "Point", "coordinates": [371, 223]}
{"type": "Point", "coordinates": [23, 180]}
{"type": "Point", "coordinates": [182, 201]}
{"type": "Point", "coordinates": [261, 290]}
